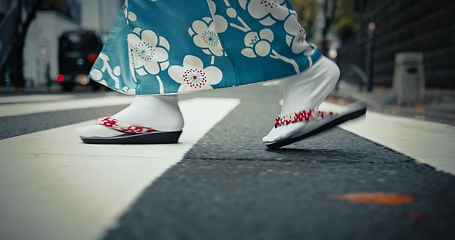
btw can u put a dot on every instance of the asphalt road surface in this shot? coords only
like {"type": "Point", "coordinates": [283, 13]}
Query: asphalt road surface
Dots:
{"type": "Point", "coordinates": [225, 184]}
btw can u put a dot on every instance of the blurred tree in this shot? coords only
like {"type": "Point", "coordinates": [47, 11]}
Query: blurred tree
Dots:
{"type": "Point", "coordinates": [308, 10]}
{"type": "Point", "coordinates": [343, 18]}
{"type": "Point", "coordinates": [346, 20]}
{"type": "Point", "coordinates": [306, 13]}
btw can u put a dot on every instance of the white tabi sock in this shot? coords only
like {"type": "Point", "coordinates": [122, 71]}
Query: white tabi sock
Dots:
{"type": "Point", "coordinates": [159, 112]}
{"type": "Point", "coordinates": [305, 91]}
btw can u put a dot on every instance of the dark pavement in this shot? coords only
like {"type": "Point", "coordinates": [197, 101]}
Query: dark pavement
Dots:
{"type": "Point", "coordinates": [229, 186]}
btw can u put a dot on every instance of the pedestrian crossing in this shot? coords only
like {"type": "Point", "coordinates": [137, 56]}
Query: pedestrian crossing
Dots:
{"type": "Point", "coordinates": [81, 190]}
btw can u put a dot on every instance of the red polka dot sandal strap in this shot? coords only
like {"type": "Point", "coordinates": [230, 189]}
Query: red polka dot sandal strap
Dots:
{"type": "Point", "coordinates": [304, 115]}
{"type": "Point", "coordinates": [122, 127]}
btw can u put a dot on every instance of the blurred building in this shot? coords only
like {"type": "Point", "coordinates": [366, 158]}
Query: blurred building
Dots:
{"type": "Point", "coordinates": [391, 27]}
{"type": "Point", "coordinates": [99, 15]}
{"type": "Point", "coordinates": [53, 18]}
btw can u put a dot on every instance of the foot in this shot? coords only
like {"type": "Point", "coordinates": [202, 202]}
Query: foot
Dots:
{"type": "Point", "coordinates": [159, 113]}
{"type": "Point", "coordinates": [304, 91]}
{"type": "Point", "coordinates": [292, 124]}
{"type": "Point", "coordinates": [293, 128]}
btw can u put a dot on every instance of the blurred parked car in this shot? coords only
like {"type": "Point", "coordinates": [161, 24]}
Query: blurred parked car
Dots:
{"type": "Point", "coordinates": [78, 51]}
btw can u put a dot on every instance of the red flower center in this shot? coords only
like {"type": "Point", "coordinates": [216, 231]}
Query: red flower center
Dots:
{"type": "Point", "coordinates": [195, 78]}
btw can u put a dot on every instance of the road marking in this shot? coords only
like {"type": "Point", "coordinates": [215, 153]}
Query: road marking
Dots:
{"type": "Point", "coordinates": [55, 187]}
{"type": "Point", "coordinates": [29, 108]}
{"type": "Point", "coordinates": [35, 98]}
{"type": "Point", "coordinates": [427, 142]}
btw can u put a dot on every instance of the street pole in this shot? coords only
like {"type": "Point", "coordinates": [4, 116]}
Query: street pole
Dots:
{"type": "Point", "coordinates": [370, 56]}
{"type": "Point", "coordinates": [361, 35]}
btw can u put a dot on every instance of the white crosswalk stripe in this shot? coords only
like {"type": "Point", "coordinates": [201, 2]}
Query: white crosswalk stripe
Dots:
{"type": "Point", "coordinates": [427, 142]}
{"type": "Point", "coordinates": [59, 103]}
{"type": "Point", "coordinates": [71, 190]}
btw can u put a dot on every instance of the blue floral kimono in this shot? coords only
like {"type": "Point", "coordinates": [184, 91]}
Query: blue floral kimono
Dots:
{"type": "Point", "coordinates": [176, 46]}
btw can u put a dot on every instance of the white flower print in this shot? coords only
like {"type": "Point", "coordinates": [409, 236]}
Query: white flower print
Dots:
{"type": "Point", "coordinates": [268, 11]}
{"type": "Point", "coordinates": [148, 52]}
{"type": "Point", "coordinates": [205, 36]}
{"type": "Point", "coordinates": [258, 44]}
{"type": "Point", "coordinates": [129, 91]}
{"type": "Point", "coordinates": [114, 73]}
{"type": "Point", "coordinates": [129, 16]}
{"type": "Point", "coordinates": [297, 35]}
{"type": "Point", "coordinates": [193, 76]}
{"type": "Point", "coordinates": [220, 21]}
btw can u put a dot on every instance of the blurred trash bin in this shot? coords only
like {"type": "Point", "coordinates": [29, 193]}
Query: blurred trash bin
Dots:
{"type": "Point", "coordinates": [408, 78]}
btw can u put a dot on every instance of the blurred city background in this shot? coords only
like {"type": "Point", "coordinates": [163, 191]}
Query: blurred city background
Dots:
{"type": "Point", "coordinates": [37, 35]}
{"type": "Point", "coordinates": [363, 36]}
